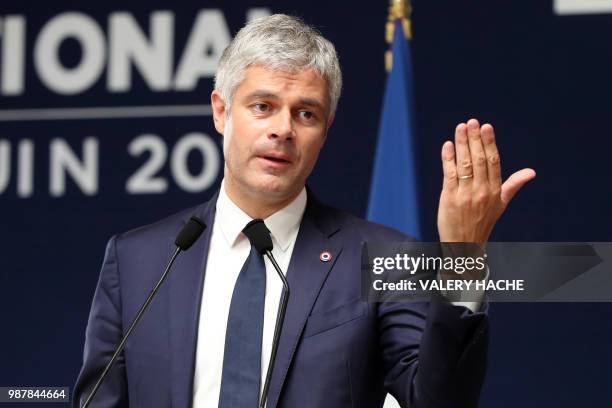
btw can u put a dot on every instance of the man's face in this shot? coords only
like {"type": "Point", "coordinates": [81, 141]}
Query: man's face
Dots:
{"type": "Point", "coordinates": [273, 136]}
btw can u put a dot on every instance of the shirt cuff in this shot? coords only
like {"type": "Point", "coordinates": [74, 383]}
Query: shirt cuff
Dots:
{"type": "Point", "coordinates": [473, 298]}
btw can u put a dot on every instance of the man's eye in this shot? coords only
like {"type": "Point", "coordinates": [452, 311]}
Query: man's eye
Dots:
{"type": "Point", "coordinates": [306, 115]}
{"type": "Point", "coordinates": [260, 107]}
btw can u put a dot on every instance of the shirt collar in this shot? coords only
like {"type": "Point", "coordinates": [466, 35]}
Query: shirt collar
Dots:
{"type": "Point", "coordinates": [283, 224]}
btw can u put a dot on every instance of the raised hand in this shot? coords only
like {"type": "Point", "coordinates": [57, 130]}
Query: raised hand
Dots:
{"type": "Point", "coordinates": [473, 196]}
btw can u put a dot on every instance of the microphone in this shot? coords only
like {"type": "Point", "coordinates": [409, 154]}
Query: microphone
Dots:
{"type": "Point", "coordinates": [184, 240]}
{"type": "Point", "coordinates": [259, 235]}
{"type": "Point", "coordinates": [189, 234]}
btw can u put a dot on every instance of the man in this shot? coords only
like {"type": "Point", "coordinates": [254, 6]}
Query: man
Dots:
{"type": "Point", "coordinates": [276, 92]}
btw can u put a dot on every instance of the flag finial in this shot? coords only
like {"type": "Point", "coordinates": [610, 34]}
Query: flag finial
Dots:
{"type": "Point", "coordinates": [398, 10]}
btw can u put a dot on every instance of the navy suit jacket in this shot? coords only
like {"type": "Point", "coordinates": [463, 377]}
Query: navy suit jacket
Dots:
{"type": "Point", "coordinates": [335, 350]}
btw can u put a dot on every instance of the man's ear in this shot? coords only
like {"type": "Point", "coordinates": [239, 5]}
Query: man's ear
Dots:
{"type": "Point", "coordinates": [218, 110]}
{"type": "Point", "coordinates": [330, 120]}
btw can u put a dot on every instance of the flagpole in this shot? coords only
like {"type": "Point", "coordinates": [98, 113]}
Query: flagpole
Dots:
{"type": "Point", "coordinates": [398, 10]}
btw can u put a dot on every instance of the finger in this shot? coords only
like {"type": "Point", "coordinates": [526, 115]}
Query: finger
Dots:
{"type": "Point", "coordinates": [449, 168]}
{"type": "Point", "coordinates": [462, 152]}
{"type": "Point", "coordinates": [477, 153]}
{"type": "Point", "coordinates": [493, 162]}
{"type": "Point", "coordinates": [514, 184]}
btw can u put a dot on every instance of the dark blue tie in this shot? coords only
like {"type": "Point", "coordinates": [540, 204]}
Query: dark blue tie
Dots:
{"type": "Point", "coordinates": [241, 377]}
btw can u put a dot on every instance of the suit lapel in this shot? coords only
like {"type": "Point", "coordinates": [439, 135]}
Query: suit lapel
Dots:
{"type": "Point", "coordinates": [306, 275]}
{"type": "Point", "coordinates": [185, 286]}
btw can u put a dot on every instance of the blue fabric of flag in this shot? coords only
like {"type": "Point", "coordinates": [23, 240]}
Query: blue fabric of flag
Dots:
{"type": "Point", "coordinates": [393, 199]}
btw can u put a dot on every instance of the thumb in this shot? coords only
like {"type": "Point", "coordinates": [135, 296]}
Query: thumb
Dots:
{"type": "Point", "coordinates": [514, 184]}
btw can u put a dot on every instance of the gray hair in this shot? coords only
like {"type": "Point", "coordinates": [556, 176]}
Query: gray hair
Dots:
{"type": "Point", "coordinates": [279, 42]}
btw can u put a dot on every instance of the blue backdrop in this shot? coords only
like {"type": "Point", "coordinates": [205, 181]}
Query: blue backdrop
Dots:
{"type": "Point", "coordinates": [71, 178]}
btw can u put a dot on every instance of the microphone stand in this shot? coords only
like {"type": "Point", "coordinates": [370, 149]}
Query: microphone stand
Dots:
{"type": "Point", "coordinates": [280, 317]}
{"type": "Point", "coordinates": [190, 232]}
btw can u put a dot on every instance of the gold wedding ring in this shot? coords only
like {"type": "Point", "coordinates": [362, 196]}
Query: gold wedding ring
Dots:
{"type": "Point", "coordinates": [466, 177]}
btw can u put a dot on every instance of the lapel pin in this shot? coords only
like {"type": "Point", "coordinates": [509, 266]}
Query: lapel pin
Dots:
{"type": "Point", "coordinates": [325, 256]}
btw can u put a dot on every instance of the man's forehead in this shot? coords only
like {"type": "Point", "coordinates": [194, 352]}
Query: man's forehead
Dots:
{"type": "Point", "coordinates": [281, 72]}
{"type": "Point", "coordinates": [265, 81]}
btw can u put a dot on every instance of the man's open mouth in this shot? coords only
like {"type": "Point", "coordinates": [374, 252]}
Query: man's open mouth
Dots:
{"type": "Point", "coordinates": [276, 159]}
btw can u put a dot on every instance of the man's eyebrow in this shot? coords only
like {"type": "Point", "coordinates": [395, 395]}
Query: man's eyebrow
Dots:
{"type": "Point", "coordinates": [264, 94]}
{"type": "Point", "coordinates": [261, 94]}
{"type": "Point", "coordinates": [311, 102]}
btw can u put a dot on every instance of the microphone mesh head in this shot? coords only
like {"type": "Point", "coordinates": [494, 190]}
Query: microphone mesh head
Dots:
{"type": "Point", "coordinates": [259, 235]}
{"type": "Point", "coordinates": [190, 233]}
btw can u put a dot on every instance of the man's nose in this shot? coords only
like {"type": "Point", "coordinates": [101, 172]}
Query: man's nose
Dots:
{"type": "Point", "coordinates": [282, 126]}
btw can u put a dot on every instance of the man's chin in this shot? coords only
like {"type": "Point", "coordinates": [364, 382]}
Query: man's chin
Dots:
{"type": "Point", "coordinates": [275, 189]}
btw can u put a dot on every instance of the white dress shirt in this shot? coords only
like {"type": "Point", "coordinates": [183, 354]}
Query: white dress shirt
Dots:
{"type": "Point", "coordinates": [229, 249]}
